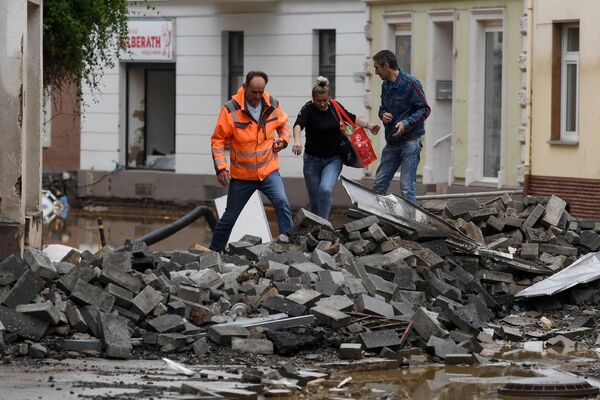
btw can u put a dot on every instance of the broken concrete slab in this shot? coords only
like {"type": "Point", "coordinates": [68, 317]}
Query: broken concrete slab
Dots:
{"type": "Point", "coordinates": [254, 346]}
{"type": "Point", "coordinates": [222, 334]}
{"type": "Point", "coordinates": [330, 317]}
{"type": "Point", "coordinates": [426, 324]}
{"type": "Point", "coordinates": [376, 340]}
{"type": "Point", "coordinates": [371, 305]}
{"type": "Point", "coordinates": [23, 325]}
{"type": "Point", "coordinates": [115, 336]}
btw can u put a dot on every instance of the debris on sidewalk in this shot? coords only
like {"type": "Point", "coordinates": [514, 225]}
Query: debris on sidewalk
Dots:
{"type": "Point", "coordinates": [398, 281]}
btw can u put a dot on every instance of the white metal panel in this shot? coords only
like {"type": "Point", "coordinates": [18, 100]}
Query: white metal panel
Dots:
{"type": "Point", "coordinates": [252, 216]}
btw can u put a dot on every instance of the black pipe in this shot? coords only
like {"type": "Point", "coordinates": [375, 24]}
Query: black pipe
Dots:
{"type": "Point", "coordinates": [166, 231]}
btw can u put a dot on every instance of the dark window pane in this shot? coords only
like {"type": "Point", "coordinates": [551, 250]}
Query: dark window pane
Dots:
{"type": "Point", "coordinates": [571, 91]}
{"type": "Point", "coordinates": [327, 57]}
{"type": "Point", "coordinates": [572, 39]}
{"type": "Point", "coordinates": [235, 62]}
{"type": "Point", "coordinates": [493, 104]}
{"type": "Point", "coordinates": [403, 52]}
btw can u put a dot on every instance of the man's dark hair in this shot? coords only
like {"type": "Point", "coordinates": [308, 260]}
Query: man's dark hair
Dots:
{"type": "Point", "coordinates": [253, 74]}
{"type": "Point", "coordinates": [386, 57]}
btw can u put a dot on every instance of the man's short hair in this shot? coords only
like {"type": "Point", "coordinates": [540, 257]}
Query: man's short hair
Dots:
{"type": "Point", "coordinates": [253, 74]}
{"type": "Point", "coordinates": [386, 57]}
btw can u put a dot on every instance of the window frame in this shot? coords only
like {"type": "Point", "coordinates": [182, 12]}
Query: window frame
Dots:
{"type": "Point", "coordinates": [568, 58]}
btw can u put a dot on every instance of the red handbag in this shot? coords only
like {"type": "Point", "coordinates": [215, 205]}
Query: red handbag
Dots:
{"type": "Point", "coordinates": [358, 139]}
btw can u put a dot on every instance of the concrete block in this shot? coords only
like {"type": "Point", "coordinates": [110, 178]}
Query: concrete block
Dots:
{"type": "Point", "coordinates": [297, 269]}
{"type": "Point", "coordinates": [554, 210]}
{"type": "Point", "coordinates": [146, 300]}
{"type": "Point", "coordinates": [123, 297]}
{"type": "Point", "coordinates": [558, 250]}
{"type": "Point", "coordinates": [458, 358]}
{"type": "Point", "coordinates": [63, 267]}
{"type": "Point", "coordinates": [377, 233]}
{"type": "Point", "coordinates": [590, 240]}
{"type": "Point", "coordinates": [350, 351]}
{"type": "Point", "coordinates": [167, 323]}
{"type": "Point", "coordinates": [23, 325]}
{"type": "Point", "coordinates": [458, 208]}
{"type": "Point", "coordinates": [26, 288]}
{"type": "Point", "coordinates": [340, 303]}
{"type": "Point", "coordinates": [115, 336]}
{"type": "Point", "coordinates": [172, 341]}
{"type": "Point", "coordinates": [428, 258]}
{"type": "Point", "coordinates": [441, 347]}
{"type": "Point", "coordinates": [487, 275]}
{"type": "Point", "coordinates": [513, 334]}
{"type": "Point", "coordinates": [44, 311]}
{"type": "Point", "coordinates": [86, 293]}
{"type": "Point", "coordinates": [117, 261]}
{"type": "Point", "coordinates": [11, 269]}
{"type": "Point", "coordinates": [409, 297]}
{"type": "Point", "coordinates": [360, 224]}
{"type": "Point", "coordinates": [371, 305]}
{"type": "Point", "coordinates": [530, 251]}
{"type": "Point", "coordinates": [383, 287]}
{"type": "Point", "coordinates": [480, 215]}
{"type": "Point", "coordinates": [91, 316]}
{"type": "Point", "coordinates": [284, 305]}
{"type": "Point", "coordinates": [329, 317]}
{"type": "Point", "coordinates": [379, 339]}
{"type": "Point", "coordinates": [305, 218]}
{"type": "Point", "coordinates": [254, 346]}
{"type": "Point", "coordinates": [534, 217]}
{"type": "Point", "coordinates": [140, 249]}
{"type": "Point", "coordinates": [81, 345]}
{"type": "Point", "coordinates": [183, 257]}
{"type": "Point", "coordinates": [323, 259]}
{"type": "Point", "coordinates": [426, 324]}
{"type": "Point", "coordinates": [495, 224]}
{"type": "Point", "coordinates": [200, 347]}
{"type": "Point", "coordinates": [383, 260]}
{"type": "Point", "coordinates": [474, 232]}
{"type": "Point", "coordinates": [306, 297]}
{"type": "Point", "coordinates": [39, 263]}
{"type": "Point", "coordinates": [83, 271]}
{"type": "Point", "coordinates": [222, 334]}
{"type": "Point", "coordinates": [76, 319]}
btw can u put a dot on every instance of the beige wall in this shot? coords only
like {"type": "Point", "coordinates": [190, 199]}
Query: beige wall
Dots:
{"type": "Point", "coordinates": [580, 160]}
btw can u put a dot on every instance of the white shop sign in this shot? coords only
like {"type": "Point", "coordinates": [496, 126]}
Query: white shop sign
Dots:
{"type": "Point", "coordinates": [149, 40]}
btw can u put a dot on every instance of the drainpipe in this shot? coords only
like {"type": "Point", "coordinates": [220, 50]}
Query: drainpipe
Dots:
{"type": "Point", "coordinates": [528, 78]}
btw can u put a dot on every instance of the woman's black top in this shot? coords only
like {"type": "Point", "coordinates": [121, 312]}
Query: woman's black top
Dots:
{"type": "Point", "coordinates": [322, 130]}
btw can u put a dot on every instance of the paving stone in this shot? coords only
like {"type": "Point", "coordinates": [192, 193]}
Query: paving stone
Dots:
{"type": "Point", "coordinates": [561, 341]}
{"type": "Point", "coordinates": [495, 224]}
{"type": "Point", "coordinates": [115, 336]}
{"type": "Point", "coordinates": [39, 263]}
{"type": "Point", "coordinates": [146, 300]}
{"type": "Point", "coordinates": [283, 305]}
{"type": "Point", "coordinates": [513, 334]}
{"type": "Point", "coordinates": [81, 345]}
{"type": "Point", "coordinates": [323, 259]}
{"type": "Point", "coordinates": [330, 317]}
{"type": "Point", "coordinates": [307, 219]}
{"type": "Point", "coordinates": [590, 240]}
{"type": "Point", "coordinates": [44, 311]}
{"type": "Point", "coordinates": [426, 324]}
{"type": "Point", "coordinates": [428, 258]}
{"type": "Point", "coordinates": [63, 267]}
{"type": "Point", "coordinates": [214, 260]}
{"type": "Point", "coordinates": [554, 210]}
{"type": "Point", "coordinates": [76, 319]}
{"type": "Point", "coordinates": [410, 297]}
{"type": "Point", "coordinates": [339, 303]}
{"type": "Point", "coordinates": [118, 261]}
{"type": "Point", "coordinates": [480, 215]}
{"type": "Point", "coordinates": [441, 347]}
{"type": "Point", "coordinates": [465, 318]}
{"type": "Point", "coordinates": [200, 347]}
{"type": "Point", "coordinates": [474, 232]}
{"type": "Point", "coordinates": [487, 275]}
{"type": "Point", "coordinates": [26, 288]}
{"type": "Point", "coordinates": [37, 350]}
{"type": "Point", "coordinates": [401, 308]}
{"type": "Point", "coordinates": [383, 287]}
{"type": "Point", "coordinates": [222, 334]}
{"type": "Point", "coordinates": [91, 316]}
{"type": "Point", "coordinates": [298, 269]}
{"type": "Point", "coordinates": [172, 341]}
{"type": "Point", "coordinates": [458, 208]}
{"type": "Point", "coordinates": [83, 271]}
{"type": "Point", "coordinates": [458, 358]}
{"type": "Point", "coordinates": [11, 269]}
{"type": "Point", "coordinates": [167, 323]}
{"type": "Point", "coordinates": [306, 297]}
{"type": "Point", "coordinates": [555, 249]}
{"type": "Point", "coordinates": [350, 351]}
{"type": "Point", "coordinates": [253, 346]}
{"type": "Point", "coordinates": [371, 305]}
{"type": "Point", "coordinates": [86, 293]}
{"type": "Point", "coordinates": [360, 224]}
{"type": "Point", "coordinates": [530, 251]}
{"type": "Point", "coordinates": [383, 260]}
{"type": "Point", "coordinates": [534, 217]}
{"type": "Point", "coordinates": [23, 325]}
{"type": "Point", "coordinates": [378, 339]}
{"type": "Point", "coordinates": [377, 233]}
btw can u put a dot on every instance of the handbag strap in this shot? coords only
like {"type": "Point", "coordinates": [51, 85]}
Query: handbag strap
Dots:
{"type": "Point", "coordinates": [343, 116]}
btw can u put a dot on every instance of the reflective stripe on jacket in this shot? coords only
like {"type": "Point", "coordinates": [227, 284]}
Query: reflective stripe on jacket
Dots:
{"type": "Point", "coordinates": [250, 141]}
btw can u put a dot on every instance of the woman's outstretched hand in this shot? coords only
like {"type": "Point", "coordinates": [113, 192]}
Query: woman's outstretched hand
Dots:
{"type": "Point", "coordinates": [374, 128]}
{"type": "Point", "coordinates": [297, 149]}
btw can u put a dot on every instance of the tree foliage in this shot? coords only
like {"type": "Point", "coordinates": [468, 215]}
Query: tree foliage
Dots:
{"type": "Point", "coordinates": [81, 39]}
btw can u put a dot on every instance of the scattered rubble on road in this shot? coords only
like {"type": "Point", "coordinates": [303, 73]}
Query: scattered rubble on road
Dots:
{"type": "Point", "coordinates": [398, 282]}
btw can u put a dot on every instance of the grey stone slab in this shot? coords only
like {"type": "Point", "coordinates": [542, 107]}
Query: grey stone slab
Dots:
{"type": "Point", "coordinates": [428, 258]}
{"type": "Point", "coordinates": [297, 269]}
{"type": "Point", "coordinates": [590, 240]}
{"type": "Point", "coordinates": [200, 347]}
{"type": "Point", "coordinates": [24, 290]}
{"type": "Point", "coordinates": [360, 224]}
{"type": "Point", "coordinates": [481, 214]}
{"type": "Point", "coordinates": [11, 269]}
{"type": "Point", "coordinates": [409, 296]}
{"type": "Point", "coordinates": [307, 219]}
{"type": "Point", "coordinates": [330, 317]}
{"type": "Point", "coordinates": [76, 319]}
{"type": "Point", "coordinates": [340, 303]}
{"type": "Point", "coordinates": [115, 336]}
{"type": "Point", "coordinates": [167, 323]}
{"type": "Point", "coordinates": [81, 345]}
{"type": "Point", "coordinates": [91, 316]}
{"type": "Point", "coordinates": [534, 217]}
{"type": "Point", "coordinates": [44, 311]}
{"type": "Point", "coordinates": [39, 263]}
{"type": "Point", "coordinates": [426, 324]}
{"type": "Point", "coordinates": [306, 297]}
{"type": "Point", "coordinates": [113, 274]}
{"type": "Point", "coordinates": [530, 251]}
{"type": "Point", "coordinates": [371, 305]}
{"type": "Point", "coordinates": [558, 250]}
{"type": "Point", "coordinates": [63, 267]}
{"type": "Point", "coordinates": [379, 339]}
{"type": "Point", "coordinates": [487, 275]}
{"type": "Point", "coordinates": [440, 347]}
{"type": "Point", "coordinates": [382, 260]}
{"type": "Point", "coordinates": [350, 351]}
{"type": "Point", "coordinates": [123, 297]}
{"type": "Point", "coordinates": [383, 288]}
{"type": "Point", "coordinates": [146, 300]}
{"type": "Point", "coordinates": [86, 293]}
{"type": "Point", "coordinates": [222, 334]}
{"type": "Point", "coordinates": [554, 210]}
{"type": "Point", "coordinates": [82, 271]}
{"type": "Point", "coordinates": [253, 346]}
{"type": "Point", "coordinates": [23, 325]}
{"type": "Point", "coordinates": [281, 304]}
{"type": "Point", "coordinates": [117, 261]}
{"type": "Point", "coordinates": [405, 277]}
{"type": "Point", "coordinates": [377, 233]}
{"type": "Point", "coordinates": [323, 259]}
{"type": "Point", "coordinates": [172, 340]}
{"type": "Point", "coordinates": [458, 208]}
{"type": "Point", "coordinates": [183, 257]}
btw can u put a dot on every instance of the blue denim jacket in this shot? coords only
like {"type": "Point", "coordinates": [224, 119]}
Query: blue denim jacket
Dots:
{"type": "Point", "coordinates": [405, 100]}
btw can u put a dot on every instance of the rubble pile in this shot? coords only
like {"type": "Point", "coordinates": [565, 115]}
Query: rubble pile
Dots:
{"type": "Point", "coordinates": [370, 285]}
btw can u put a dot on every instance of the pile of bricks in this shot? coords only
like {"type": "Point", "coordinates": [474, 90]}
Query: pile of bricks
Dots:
{"type": "Point", "coordinates": [400, 298]}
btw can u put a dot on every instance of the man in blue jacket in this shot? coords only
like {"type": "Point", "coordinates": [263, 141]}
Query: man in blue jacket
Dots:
{"type": "Point", "coordinates": [403, 111]}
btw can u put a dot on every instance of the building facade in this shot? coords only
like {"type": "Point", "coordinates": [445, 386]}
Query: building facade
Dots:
{"type": "Point", "coordinates": [157, 108]}
{"type": "Point", "coordinates": [565, 123]}
{"type": "Point", "coordinates": [469, 57]}
{"type": "Point", "coordinates": [20, 125]}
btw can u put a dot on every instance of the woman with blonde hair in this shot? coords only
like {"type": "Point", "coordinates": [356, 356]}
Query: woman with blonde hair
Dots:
{"type": "Point", "coordinates": [322, 158]}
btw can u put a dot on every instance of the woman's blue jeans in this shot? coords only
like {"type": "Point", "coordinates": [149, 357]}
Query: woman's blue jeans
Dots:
{"type": "Point", "coordinates": [237, 197]}
{"type": "Point", "coordinates": [320, 175]}
{"type": "Point", "coordinates": [405, 157]}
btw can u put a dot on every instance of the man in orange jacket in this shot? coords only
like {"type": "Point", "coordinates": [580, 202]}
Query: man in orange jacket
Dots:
{"type": "Point", "coordinates": [248, 123]}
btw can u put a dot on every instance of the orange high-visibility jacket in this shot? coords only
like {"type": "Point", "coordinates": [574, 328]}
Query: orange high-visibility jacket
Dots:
{"type": "Point", "coordinates": [250, 141]}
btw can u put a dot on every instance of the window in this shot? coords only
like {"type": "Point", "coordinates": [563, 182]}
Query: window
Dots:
{"type": "Point", "coordinates": [569, 83]}
{"type": "Point", "coordinates": [235, 62]}
{"type": "Point", "coordinates": [492, 108]}
{"type": "Point", "coordinates": [564, 114]}
{"type": "Point", "coordinates": [404, 47]}
{"type": "Point", "coordinates": [327, 57]}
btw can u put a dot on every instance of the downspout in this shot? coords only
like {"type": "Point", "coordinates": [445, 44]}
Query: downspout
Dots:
{"type": "Point", "coordinates": [528, 78]}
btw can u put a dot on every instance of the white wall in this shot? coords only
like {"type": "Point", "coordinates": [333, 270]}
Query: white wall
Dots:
{"type": "Point", "coordinates": [278, 41]}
